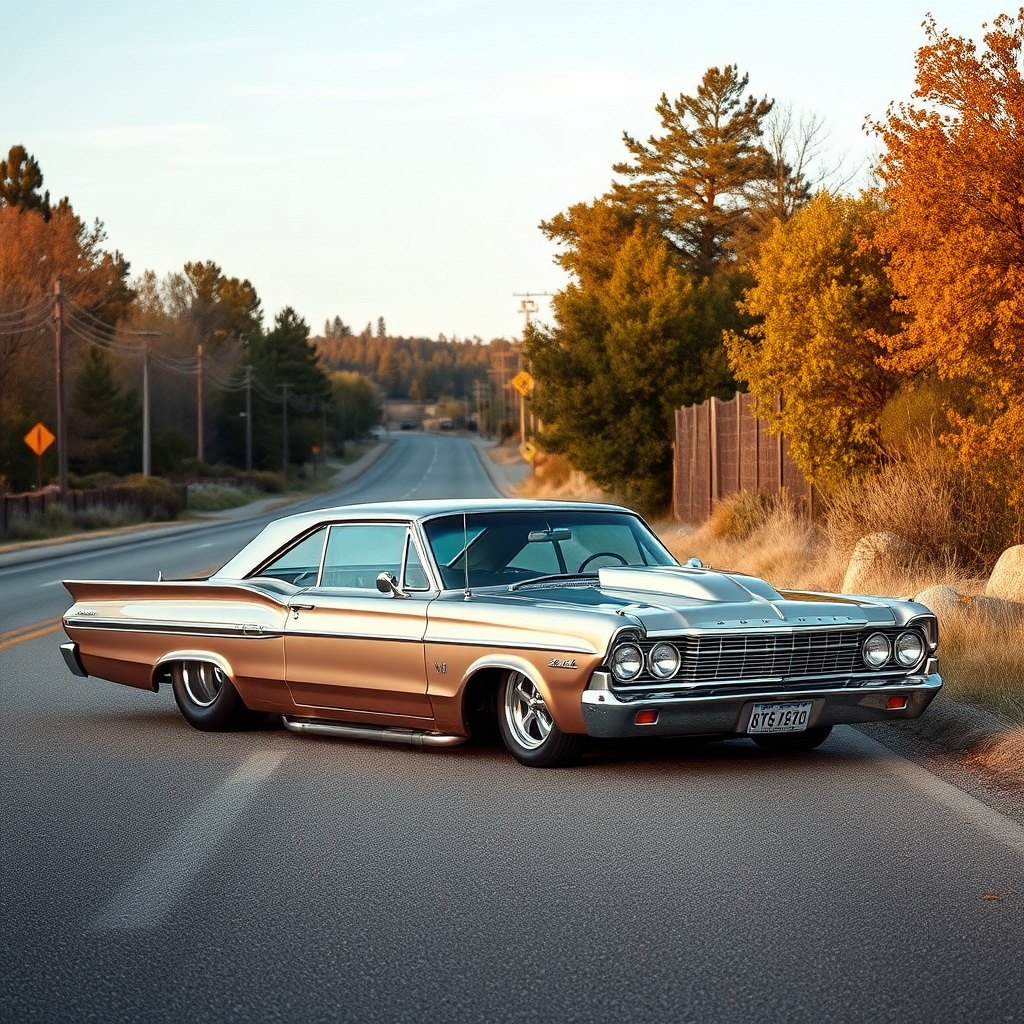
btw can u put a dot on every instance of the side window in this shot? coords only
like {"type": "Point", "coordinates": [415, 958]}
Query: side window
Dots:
{"type": "Point", "coordinates": [299, 564]}
{"type": "Point", "coordinates": [358, 552]}
{"type": "Point", "coordinates": [415, 577]}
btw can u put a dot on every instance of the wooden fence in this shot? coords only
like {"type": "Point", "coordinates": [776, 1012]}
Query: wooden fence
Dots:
{"type": "Point", "coordinates": [721, 448]}
{"type": "Point", "coordinates": [34, 504]}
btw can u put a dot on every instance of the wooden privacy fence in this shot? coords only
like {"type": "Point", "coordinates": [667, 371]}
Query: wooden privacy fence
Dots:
{"type": "Point", "coordinates": [35, 504]}
{"type": "Point", "coordinates": [721, 448]}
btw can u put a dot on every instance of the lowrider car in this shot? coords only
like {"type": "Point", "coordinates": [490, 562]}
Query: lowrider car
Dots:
{"type": "Point", "coordinates": [421, 622]}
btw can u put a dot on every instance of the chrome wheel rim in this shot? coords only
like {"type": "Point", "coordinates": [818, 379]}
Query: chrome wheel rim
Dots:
{"type": "Point", "coordinates": [203, 682]}
{"type": "Point", "coordinates": [526, 713]}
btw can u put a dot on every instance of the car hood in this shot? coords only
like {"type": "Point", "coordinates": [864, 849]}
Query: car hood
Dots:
{"type": "Point", "coordinates": [669, 599]}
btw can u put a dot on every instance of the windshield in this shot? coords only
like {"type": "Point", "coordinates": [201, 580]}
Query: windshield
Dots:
{"type": "Point", "coordinates": [512, 547]}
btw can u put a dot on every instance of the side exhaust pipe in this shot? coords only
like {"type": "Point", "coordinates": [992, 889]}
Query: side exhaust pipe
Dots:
{"type": "Point", "coordinates": [379, 733]}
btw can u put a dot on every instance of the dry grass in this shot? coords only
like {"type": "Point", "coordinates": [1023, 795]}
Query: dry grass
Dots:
{"type": "Point", "coordinates": [554, 477]}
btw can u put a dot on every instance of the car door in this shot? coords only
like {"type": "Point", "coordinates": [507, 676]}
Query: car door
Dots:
{"type": "Point", "coordinates": [348, 647]}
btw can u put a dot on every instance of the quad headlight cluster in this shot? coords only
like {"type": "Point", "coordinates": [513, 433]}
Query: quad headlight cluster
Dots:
{"type": "Point", "coordinates": [906, 649]}
{"type": "Point", "coordinates": [628, 661]}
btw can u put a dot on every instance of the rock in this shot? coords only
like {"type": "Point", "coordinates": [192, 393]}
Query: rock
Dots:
{"type": "Point", "coordinates": [941, 600]}
{"type": "Point", "coordinates": [1007, 579]}
{"type": "Point", "coordinates": [997, 610]}
{"type": "Point", "coordinates": [875, 556]}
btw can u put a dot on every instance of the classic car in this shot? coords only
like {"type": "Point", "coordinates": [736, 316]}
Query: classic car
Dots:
{"type": "Point", "coordinates": [423, 622]}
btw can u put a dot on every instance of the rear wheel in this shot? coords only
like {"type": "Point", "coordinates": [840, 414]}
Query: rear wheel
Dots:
{"type": "Point", "coordinates": [794, 742]}
{"type": "Point", "coordinates": [528, 730]}
{"type": "Point", "coordinates": [206, 697]}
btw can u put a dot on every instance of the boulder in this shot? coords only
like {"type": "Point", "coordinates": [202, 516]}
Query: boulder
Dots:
{"type": "Point", "coordinates": [941, 600]}
{"type": "Point", "coordinates": [1007, 579]}
{"type": "Point", "coordinates": [874, 557]}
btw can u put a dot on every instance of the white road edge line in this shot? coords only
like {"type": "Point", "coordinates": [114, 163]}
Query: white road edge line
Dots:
{"type": "Point", "coordinates": [162, 882]}
{"type": "Point", "coordinates": [966, 807]}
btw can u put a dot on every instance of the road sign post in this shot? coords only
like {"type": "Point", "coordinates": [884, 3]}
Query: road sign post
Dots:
{"type": "Point", "coordinates": [39, 439]}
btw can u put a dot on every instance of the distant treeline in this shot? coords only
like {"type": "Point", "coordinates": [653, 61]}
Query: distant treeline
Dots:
{"type": "Point", "coordinates": [421, 369]}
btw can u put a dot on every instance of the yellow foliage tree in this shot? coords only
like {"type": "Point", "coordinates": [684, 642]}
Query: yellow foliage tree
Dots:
{"type": "Point", "coordinates": [822, 297]}
{"type": "Point", "coordinates": [952, 174]}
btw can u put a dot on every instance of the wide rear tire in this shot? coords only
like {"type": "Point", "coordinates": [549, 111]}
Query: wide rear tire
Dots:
{"type": "Point", "coordinates": [528, 730]}
{"type": "Point", "coordinates": [206, 697]}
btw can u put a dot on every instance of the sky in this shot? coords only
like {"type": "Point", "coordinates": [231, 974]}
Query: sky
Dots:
{"type": "Point", "coordinates": [394, 158]}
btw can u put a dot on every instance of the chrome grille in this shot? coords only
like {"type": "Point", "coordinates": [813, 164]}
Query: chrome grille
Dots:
{"type": "Point", "coordinates": [711, 659]}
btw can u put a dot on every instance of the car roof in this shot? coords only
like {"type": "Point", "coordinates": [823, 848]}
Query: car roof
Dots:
{"type": "Point", "coordinates": [278, 533]}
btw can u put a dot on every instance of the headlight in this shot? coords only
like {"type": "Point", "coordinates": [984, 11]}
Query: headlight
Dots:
{"type": "Point", "coordinates": [627, 662]}
{"type": "Point", "coordinates": [909, 649]}
{"type": "Point", "coordinates": [875, 650]}
{"type": "Point", "coordinates": [664, 661]}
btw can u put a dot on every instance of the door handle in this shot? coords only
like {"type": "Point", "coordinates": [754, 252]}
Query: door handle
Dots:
{"type": "Point", "coordinates": [296, 608]}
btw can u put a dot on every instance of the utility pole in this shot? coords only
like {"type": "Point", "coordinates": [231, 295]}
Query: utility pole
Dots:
{"type": "Point", "coordinates": [62, 427]}
{"type": "Point", "coordinates": [147, 447]}
{"type": "Point", "coordinates": [248, 419]}
{"type": "Point", "coordinates": [284, 418]}
{"type": "Point", "coordinates": [199, 404]}
{"type": "Point", "coordinates": [528, 307]}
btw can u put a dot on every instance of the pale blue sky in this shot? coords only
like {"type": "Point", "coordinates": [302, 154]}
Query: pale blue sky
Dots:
{"type": "Point", "coordinates": [394, 159]}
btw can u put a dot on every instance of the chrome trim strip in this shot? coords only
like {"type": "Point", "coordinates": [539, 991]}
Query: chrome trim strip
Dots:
{"type": "Point", "coordinates": [600, 691]}
{"type": "Point", "coordinates": [244, 630]}
{"type": "Point", "coordinates": [456, 642]}
{"type": "Point", "coordinates": [380, 733]}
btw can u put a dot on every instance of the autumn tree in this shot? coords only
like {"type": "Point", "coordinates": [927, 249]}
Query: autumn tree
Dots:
{"type": "Point", "coordinates": [821, 302]}
{"type": "Point", "coordinates": [625, 354]}
{"type": "Point", "coordinates": [36, 248]}
{"type": "Point", "coordinates": [695, 178]}
{"type": "Point", "coordinates": [951, 171]}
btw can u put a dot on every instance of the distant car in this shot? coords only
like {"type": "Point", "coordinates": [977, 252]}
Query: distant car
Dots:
{"type": "Point", "coordinates": [407, 425]}
{"type": "Point", "coordinates": [378, 432]}
{"type": "Point", "coordinates": [419, 622]}
{"type": "Point", "coordinates": [447, 424]}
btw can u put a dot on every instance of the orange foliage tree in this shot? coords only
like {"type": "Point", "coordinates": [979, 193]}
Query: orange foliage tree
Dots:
{"type": "Point", "coordinates": [952, 174]}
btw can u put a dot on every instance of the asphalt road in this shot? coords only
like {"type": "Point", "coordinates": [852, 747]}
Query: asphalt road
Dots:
{"type": "Point", "coordinates": [149, 872]}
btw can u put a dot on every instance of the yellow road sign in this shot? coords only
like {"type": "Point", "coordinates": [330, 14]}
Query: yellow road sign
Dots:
{"type": "Point", "coordinates": [39, 439]}
{"type": "Point", "coordinates": [523, 383]}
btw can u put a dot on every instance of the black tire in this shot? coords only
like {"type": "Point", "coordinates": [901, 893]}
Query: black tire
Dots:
{"type": "Point", "coordinates": [206, 697]}
{"type": "Point", "coordinates": [528, 730]}
{"type": "Point", "coordinates": [794, 742]}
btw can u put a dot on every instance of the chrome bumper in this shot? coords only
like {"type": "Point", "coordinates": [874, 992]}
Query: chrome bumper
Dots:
{"type": "Point", "coordinates": [607, 716]}
{"type": "Point", "coordinates": [72, 660]}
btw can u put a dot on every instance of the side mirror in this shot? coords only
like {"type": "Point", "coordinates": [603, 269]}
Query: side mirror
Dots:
{"type": "Point", "coordinates": [387, 584]}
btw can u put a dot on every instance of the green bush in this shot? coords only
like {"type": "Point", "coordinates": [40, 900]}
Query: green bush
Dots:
{"type": "Point", "coordinates": [268, 481]}
{"type": "Point", "coordinates": [160, 501]}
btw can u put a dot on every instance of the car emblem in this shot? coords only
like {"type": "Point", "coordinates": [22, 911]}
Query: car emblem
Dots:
{"type": "Point", "coordinates": [562, 663]}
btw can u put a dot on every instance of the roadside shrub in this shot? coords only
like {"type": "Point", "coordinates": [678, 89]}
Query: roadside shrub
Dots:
{"type": "Point", "coordinates": [87, 481]}
{"type": "Point", "coordinates": [739, 515]}
{"type": "Point", "coordinates": [267, 481]}
{"type": "Point", "coordinates": [948, 512]}
{"type": "Point", "coordinates": [212, 498]}
{"type": "Point", "coordinates": [160, 501]}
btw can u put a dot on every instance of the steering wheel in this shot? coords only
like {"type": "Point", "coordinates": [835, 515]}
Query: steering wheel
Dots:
{"type": "Point", "coordinates": [602, 554]}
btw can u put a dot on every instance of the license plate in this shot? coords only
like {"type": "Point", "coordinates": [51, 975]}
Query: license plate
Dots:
{"type": "Point", "coordinates": [788, 716]}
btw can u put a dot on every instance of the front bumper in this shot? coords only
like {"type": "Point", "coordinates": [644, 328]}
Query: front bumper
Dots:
{"type": "Point", "coordinates": [607, 715]}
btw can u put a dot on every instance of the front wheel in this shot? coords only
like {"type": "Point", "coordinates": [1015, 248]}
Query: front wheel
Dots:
{"type": "Point", "coordinates": [206, 697]}
{"type": "Point", "coordinates": [794, 742]}
{"type": "Point", "coordinates": [529, 731]}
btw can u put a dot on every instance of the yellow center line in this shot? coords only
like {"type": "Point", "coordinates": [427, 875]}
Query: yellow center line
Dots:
{"type": "Point", "coordinates": [17, 636]}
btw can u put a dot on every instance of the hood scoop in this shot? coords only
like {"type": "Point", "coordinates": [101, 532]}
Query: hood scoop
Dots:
{"type": "Point", "coordinates": [676, 581]}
